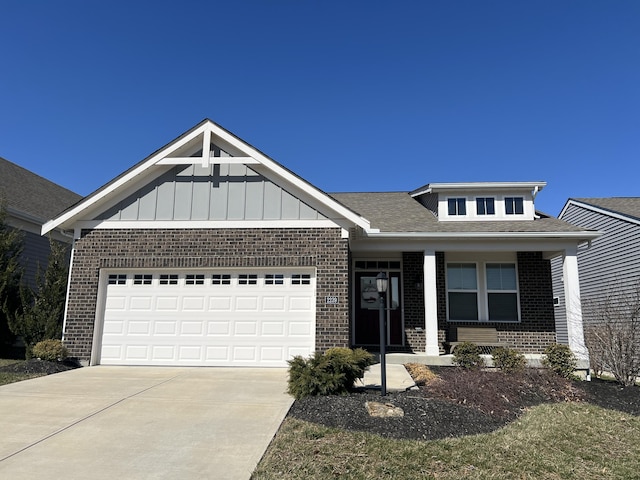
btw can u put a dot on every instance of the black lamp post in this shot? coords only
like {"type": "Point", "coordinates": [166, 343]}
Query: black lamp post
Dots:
{"type": "Point", "coordinates": [381, 283]}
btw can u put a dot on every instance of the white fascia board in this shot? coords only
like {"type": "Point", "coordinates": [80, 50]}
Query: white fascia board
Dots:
{"type": "Point", "coordinates": [162, 158]}
{"type": "Point", "coordinates": [602, 211]}
{"type": "Point", "coordinates": [485, 235]}
{"type": "Point", "coordinates": [119, 182]}
{"type": "Point", "coordinates": [184, 224]}
{"type": "Point", "coordinates": [294, 180]}
{"type": "Point", "coordinates": [364, 245]}
{"type": "Point", "coordinates": [480, 187]}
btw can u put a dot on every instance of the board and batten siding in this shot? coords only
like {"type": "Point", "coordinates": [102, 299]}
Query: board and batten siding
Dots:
{"type": "Point", "coordinates": [612, 263]}
{"type": "Point", "coordinates": [217, 192]}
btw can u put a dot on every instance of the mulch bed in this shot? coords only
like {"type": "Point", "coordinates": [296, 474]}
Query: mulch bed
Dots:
{"type": "Point", "coordinates": [35, 366]}
{"type": "Point", "coordinates": [462, 402]}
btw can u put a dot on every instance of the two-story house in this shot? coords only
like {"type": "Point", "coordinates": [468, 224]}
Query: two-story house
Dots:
{"type": "Point", "coordinates": [208, 252]}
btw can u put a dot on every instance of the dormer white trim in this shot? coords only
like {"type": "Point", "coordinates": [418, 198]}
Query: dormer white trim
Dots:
{"type": "Point", "coordinates": [471, 191]}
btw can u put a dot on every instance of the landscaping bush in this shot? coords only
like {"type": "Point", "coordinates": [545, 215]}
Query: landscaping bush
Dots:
{"type": "Point", "coordinates": [467, 355]}
{"type": "Point", "coordinates": [508, 360]}
{"type": "Point", "coordinates": [50, 350]}
{"type": "Point", "coordinates": [560, 359]}
{"type": "Point", "coordinates": [331, 373]}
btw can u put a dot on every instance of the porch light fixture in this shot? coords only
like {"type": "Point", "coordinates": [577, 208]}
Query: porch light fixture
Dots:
{"type": "Point", "coordinates": [382, 282]}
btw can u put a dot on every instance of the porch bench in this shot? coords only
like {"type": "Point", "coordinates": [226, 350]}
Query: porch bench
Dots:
{"type": "Point", "coordinates": [484, 337]}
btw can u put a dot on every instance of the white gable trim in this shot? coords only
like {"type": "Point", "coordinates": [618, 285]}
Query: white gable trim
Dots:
{"type": "Point", "coordinates": [608, 213]}
{"type": "Point", "coordinates": [162, 157]}
{"type": "Point", "coordinates": [182, 224]}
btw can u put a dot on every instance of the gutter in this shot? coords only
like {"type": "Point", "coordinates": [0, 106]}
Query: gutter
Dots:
{"type": "Point", "coordinates": [586, 236]}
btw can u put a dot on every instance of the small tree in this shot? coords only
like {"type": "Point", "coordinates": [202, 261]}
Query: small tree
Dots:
{"type": "Point", "coordinates": [613, 339]}
{"type": "Point", "coordinates": [10, 278]}
{"type": "Point", "coordinates": [41, 312]}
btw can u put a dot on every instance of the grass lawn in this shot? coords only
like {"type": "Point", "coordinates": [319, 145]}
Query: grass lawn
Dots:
{"type": "Point", "coordinates": [550, 441]}
{"type": "Point", "coordinates": [9, 377]}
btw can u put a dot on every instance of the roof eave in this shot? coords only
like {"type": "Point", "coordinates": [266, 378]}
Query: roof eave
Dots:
{"type": "Point", "coordinates": [582, 236]}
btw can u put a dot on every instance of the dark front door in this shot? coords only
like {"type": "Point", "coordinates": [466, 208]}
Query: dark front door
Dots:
{"type": "Point", "coordinates": [367, 309]}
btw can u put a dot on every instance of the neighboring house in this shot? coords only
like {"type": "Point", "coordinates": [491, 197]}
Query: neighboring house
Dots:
{"type": "Point", "coordinates": [30, 201]}
{"type": "Point", "coordinates": [208, 252]}
{"type": "Point", "coordinates": [610, 264]}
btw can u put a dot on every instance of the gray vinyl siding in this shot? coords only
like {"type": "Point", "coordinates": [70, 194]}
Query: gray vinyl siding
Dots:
{"type": "Point", "coordinates": [613, 261]}
{"type": "Point", "coordinates": [430, 200]}
{"type": "Point", "coordinates": [35, 255]}
{"type": "Point", "coordinates": [218, 192]}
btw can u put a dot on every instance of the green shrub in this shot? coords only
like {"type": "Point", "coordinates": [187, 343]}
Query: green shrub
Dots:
{"type": "Point", "coordinates": [331, 373]}
{"type": "Point", "coordinates": [467, 355]}
{"type": "Point", "coordinates": [560, 359]}
{"type": "Point", "coordinates": [508, 360]}
{"type": "Point", "coordinates": [50, 350]}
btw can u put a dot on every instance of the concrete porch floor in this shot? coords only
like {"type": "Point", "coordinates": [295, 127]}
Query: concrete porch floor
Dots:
{"type": "Point", "coordinates": [533, 359]}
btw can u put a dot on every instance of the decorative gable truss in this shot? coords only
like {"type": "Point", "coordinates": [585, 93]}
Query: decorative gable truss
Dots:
{"type": "Point", "coordinates": [207, 178]}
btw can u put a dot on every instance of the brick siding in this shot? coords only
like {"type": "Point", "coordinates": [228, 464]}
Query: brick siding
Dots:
{"type": "Point", "coordinates": [322, 248]}
{"type": "Point", "coordinates": [536, 328]}
{"type": "Point", "coordinates": [532, 334]}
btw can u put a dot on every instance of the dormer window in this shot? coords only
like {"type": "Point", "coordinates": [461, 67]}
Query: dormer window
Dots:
{"type": "Point", "coordinates": [485, 206]}
{"type": "Point", "coordinates": [457, 206]}
{"type": "Point", "coordinates": [513, 205]}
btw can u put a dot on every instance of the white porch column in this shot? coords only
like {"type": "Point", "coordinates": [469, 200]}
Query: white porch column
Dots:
{"type": "Point", "coordinates": [573, 304]}
{"type": "Point", "coordinates": [430, 303]}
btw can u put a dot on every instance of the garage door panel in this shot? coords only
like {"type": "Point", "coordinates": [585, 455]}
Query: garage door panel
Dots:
{"type": "Point", "coordinates": [218, 328]}
{"type": "Point", "coordinates": [243, 328]}
{"type": "Point", "coordinates": [165, 327]}
{"type": "Point", "coordinates": [140, 303]}
{"type": "Point", "coordinates": [262, 324]}
{"type": "Point", "coordinates": [195, 303]}
{"type": "Point", "coordinates": [139, 327]}
{"type": "Point", "coordinates": [300, 304]}
{"type": "Point", "coordinates": [272, 328]}
{"type": "Point", "coordinates": [164, 353]}
{"type": "Point", "coordinates": [274, 304]}
{"type": "Point", "coordinates": [191, 328]}
{"type": "Point", "coordinates": [167, 304]}
{"type": "Point", "coordinates": [220, 304]}
{"type": "Point", "coordinates": [246, 303]}
{"type": "Point", "coordinates": [116, 303]}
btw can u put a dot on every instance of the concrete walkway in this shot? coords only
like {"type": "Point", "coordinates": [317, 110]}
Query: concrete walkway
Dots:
{"type": "Point", "coordinates": [141, 423]}
{"type": "Point", "coordinates": [398, 379]}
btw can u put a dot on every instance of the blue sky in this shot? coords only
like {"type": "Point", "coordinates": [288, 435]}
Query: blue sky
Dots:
{"type": "Point", "coordinates": [350, 95]}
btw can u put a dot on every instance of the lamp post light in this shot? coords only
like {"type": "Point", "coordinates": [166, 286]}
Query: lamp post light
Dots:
{"type": "Point", "coordinates": [381, 284]}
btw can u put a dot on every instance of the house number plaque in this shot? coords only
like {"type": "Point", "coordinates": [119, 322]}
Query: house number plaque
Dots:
{"type": "Point", "coordinates": [331, 300]}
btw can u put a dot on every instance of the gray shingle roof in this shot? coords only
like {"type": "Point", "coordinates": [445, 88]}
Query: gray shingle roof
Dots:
{"type": "Point", "coordinates": [26, 192]}
{"type": "Point", "coordinates": [399, 212]}
{"type": "Point", "coordinates": [629, 206]}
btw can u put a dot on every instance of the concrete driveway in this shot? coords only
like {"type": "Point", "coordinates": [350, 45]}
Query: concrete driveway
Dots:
{"type": "Point", "coordinates": [141, 423]}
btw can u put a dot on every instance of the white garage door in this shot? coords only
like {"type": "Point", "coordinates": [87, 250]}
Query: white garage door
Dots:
{"type": "Point", "coordinates": [239, 318]}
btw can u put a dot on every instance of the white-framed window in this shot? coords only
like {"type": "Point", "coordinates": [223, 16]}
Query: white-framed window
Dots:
{"type": "Point", "coordinates": [485, 206]}
{"type": "Point", "coordinates": [513, 205]}
{"type": "Point", "coordinates": [457, 206]}
{"type": "Point", "coordinates": [168, 279]}
{"type": "Point", "coordinates": [142, 279]}
{"type": "Point", "coordinates": [247, 279]}
{"type": "Point", "coordinates": [194, 279]}
{"type": "Point", "coordinates": [462, 291]}
{"type": "Point", "coordinates": [482, 291]}
{"type": "Point", "coordinates": [502, 292]}
{"type": "Point", "coordinates": [300, 279]}
{"type": "Point", "coordinates": [274, 279]}
{"type": "Point", "coordinates": [117, 279]}
{"type": "Point", "coordinates": [221, 279]}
